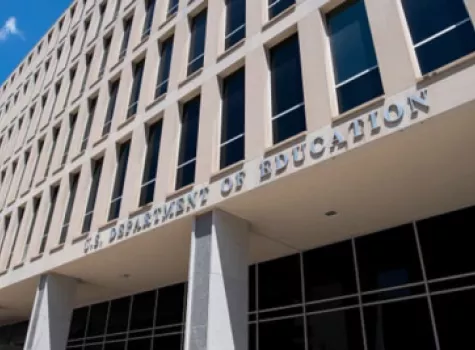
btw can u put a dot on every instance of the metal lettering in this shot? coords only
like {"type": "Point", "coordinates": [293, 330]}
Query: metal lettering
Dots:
{"type": "Point", "coordinates": [396, 110]}
{"type": "Point", "coordinates": [112, 235]}
{"type": "Point", "coordinates": [298, 154]}
{"type": "Point", "coordinates": [226, 186]}
{"type": "Point", "coordinates": [180, 206]}
{"type": "Point", "coordinates": [265, 168]}
{"type": "Point", "coordinates": [317, 147]}
{"type": "Point", "coordinates": [373, 121]}
{"type": "Point", "coordinates": [191, 200]}
{"type": "Point", "coordinates": [121, 231]}
{"type": "Point", "coordinates": [337, 140]}
{"type": "Point", "coordinates": [418, 100]}
{"type": "Point", "coordinates": [240, 180]}
{"type": "Point", "coordinates": [204, 192]}
{"type": "Point", "coordinates": [357, 125]}
{"type": "Point", "coordinates": [281, 162]}
{"type": "Point", "coordinates": [137, 226]}
{"type": "Point", "coordinates": [156, 215]}
{"type": "Point", "coordinates": [147, 219]}
{"type": "Point", "coordinates": [168, 210]}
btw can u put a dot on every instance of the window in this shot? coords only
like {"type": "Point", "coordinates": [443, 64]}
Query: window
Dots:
{"type": "Point", "coordinates": [441, 31]}
{"type": "Point", "coordinates": [73, 186]}
{"type": "Point", "coordinates": [73, 11]}
{"type": "Point", "coordinates": [72, 75]}
{"type": "Point", "coordinates": [151, 163]}
{"type": "Point", "coordinates": [6, 226]}
{"type": "Point", "coordinates": [116, 200]}
{"type": "Point", "coordinates": [126, 37]}
{"type": "Point", "coordinates": [36, 205]}
{"type": "Point", "coordinates": [117, 8]}
{"type": "Point", "coordinates": [105, 54]}
{"type": "Point", "coordinates": [72, 125]}
{"type": "Point", "coordinates": [59, 52]}
{"type": "Point", "coordinates": [278, 6]}
{"type": "Point", "coordinates": [136, 85]}
{"type": "Point", "coordinates": [288, 107]}
{"type": "Point", "coordinates": [190, 121]}
{"type": "Point", "coordinates": [197, 42]}
{"type": "Point", "coordinates": [60, 24]}
{"type": "Point", "coordinates": [86, 74]}
{"type": "Point", "coordinates": [40, 149]}
{"type": "Point", "coordinates": [357, 76]}
{"type": "Point", "coordinates": [102, 10]}
{"type": "Point", "coordinates": [54, 140]}
{"type": "Point", "coordinates": [113, 90]}
{"type": "Point", "coordinates": [232, 120]}
{"type": "Point", "coordinates": [72, 39]}
{"type": "Point", "coordinates": [91, 111]}
{"type": "Point", "coordinates": [26, 157]}
{"type": "Point", "coordinates": [91, 201]}
{"type": "Point", "coordinates": [172, 8]}
{"type": "Point", "coordinates": [166, 51]}
{"type": "Point", "coordinates": [53, 196]}
{"type": "Point", "coordinates": [235, 22]}
{"type": "Point", "coordinates": [20, 213]}
{"type": "Point", "coordinates": [149, 10]}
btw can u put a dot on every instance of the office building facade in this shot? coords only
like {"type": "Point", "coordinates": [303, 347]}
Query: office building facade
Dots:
{"type": "Point", "coordinates": [241, 174]}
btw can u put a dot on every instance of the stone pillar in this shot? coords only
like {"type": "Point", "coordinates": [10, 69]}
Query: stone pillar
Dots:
{"type": "Point", "coordinates": [51, 314]}
{"type": "Point", "coordinates": [218, 283]}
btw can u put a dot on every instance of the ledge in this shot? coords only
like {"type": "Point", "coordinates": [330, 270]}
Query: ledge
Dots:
{"type": "Point", "coordinates": [141, 43]}
{"type": "Point", "coordinates": [39, 183]}
{"type": "Point", "coordinates": [156, 101]}
{"type": "Point", "coordinates": [179, 192]}
{"type": "Point", "coordinates": [426, 78]}
{"type": "Point", "coordinates": [58, 170]}
{"type": "Point", "coordinates": [129, 5]}
{"type": "Point", "coordinates": [76, 99]}
{"type": "Point", "coordinates": [285, 143]}
{"type": "Point", "coordinates": [167, 20]}
{"type": "Point", "coordinates": [24, 193]}
{"type": "Point", "coordinates": [140, 210]}
{"type": "Point", "coordinates": [190, 77]}
{"type": "Point", "coordinates": [359, 108]}
{"type": "Point", "coordinates": [231, 49]}
{"type": "Point", "coordinates": [73, 61]}
{"type": "Point", "coordinates": [43, 128]}
{"type": "Point", "coordinates": [11, 202]}
{"type": "Point", "coordinates": [102, 139]}
{"type": "Point", "coordinates": [95, 83]}
{"type": "Point", "coordinates": [3, 272]}
{"type": "Point", "coordinates": [109, 25]}
{"type": "Point", "coordinates": [79, 238]}
{"type": "Point", "coordinates": [17, 266]}
{"type": "Point", "coordinates": [77, 156]}
{"type": "Point", "coordinates": [36, 257]}
{"type": "Point", "coordinates": [107, 225]}
{"type": "Point", "coordinates": [277, 18]}
{"type": "Point", "coordinates": [126, 122]}
{"type": "Point", "coordinates": [59, 114]}
{"type": "Point", "coordinates": [57, 248]}
{"type": "Point", "coordinates": [218, 175]}
{"type": "Point", "coordinates": [121, 59]}
{"type": "Point", "coordinates": [61, 71]}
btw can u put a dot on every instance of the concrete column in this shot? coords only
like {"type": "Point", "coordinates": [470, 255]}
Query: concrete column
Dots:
{"type": "Point", "coordinates": [257, 126]}
{"type": "Point", "coordinates": [315, 79]}
{"type": "Point", "coordinates": [470, 4]}
{"type": "Point", "coordinates": [51, 315]}
{"type": "Point", "coordinates": [391, 45]}
{"type": "Point", "coordinates": [218, 283]}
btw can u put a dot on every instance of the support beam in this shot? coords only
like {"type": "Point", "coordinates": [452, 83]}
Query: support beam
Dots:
{"type": "Point", "coordinates": [218, 283]}
{"type": "Point", "coordinates": [51, 315]}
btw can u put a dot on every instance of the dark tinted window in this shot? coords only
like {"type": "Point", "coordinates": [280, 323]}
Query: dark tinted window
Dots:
{"type": "Point", "coordinates": [97, 319]}
{"type": "Point", "coordinates": [329, 272]}
{"type": "Point", "coordinates": [73, 186]}
{"type": "Point", "coordinates": [232, 122]}
{"type": "Point", "coordinates": [91, 201]}
{"type": "Point", "coordinates": [392, 326]}
{"type": "Point", "coordinates": [278, 6]}
{"type": "Point", "coordinates": [235, 22]}
{"type": "Point", "coordinates": [336, 330]}
{"type": "Point", "coordinates": [447, 243]}
{"type": "Point", "coordinates": [143, 308]}
{"type": "Point", "coordinates": [279, 282]}
{"type": "Point", "coordinates": [356, 70]}
{"type": "Point", "coordinates": [126, 36]}
{"type": "Point", "coordinates": [118, 315]}
{"type": "Point", "coordinates": [136, 85]}
{"type": "Point", "coordinates": [166, 51]}
{"type": "Point", "coordinates": [149, 9]}
{"type": "Point", "coordinates": [288, 112]}
{"type": "Point", "coordinates": [170, 306]}
{"type": "Point", "coordinates": [172, 7]}
{"type": "Point", "coordinates": [282, 334]}
{"type": "Point", "coordinates": [151, 162]}
{"type": "Point", "coordinates": [113, 91]}
{"type": "Point", "coordinates": [197, 42]}
{"type": "Point", "coordinates": [123, 158]}
{"type": "Point", "coordinates": [188, 142]}
{"type": "Point", "coordinates": [388, 259]}
{"type": "Point", "coordinates": [168, 342]}
{"type": "Point", "coordinates": [77, 328]}
{"type": "Point", "coordinates": [441, 31]}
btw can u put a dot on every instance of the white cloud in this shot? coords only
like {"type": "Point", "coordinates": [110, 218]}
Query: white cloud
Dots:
{"type": "Point", "coordinates": [10, 28]}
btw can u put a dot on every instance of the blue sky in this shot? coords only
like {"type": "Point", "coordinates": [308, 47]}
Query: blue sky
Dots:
{"type": "Point", "coordinates": [22, 24]}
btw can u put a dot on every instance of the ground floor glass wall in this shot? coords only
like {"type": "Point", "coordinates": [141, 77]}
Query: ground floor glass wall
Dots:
{"type": "Point", "coordinates": [409, 287]}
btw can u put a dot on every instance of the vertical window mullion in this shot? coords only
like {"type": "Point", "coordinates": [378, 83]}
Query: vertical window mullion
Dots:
{"type": "Point", "coordinates": [136, 85]}
{"type": "Point", "coordinates": [93, 190]}
{"type": "Point", "coordinates": [119, 183]}
{"type": "Point", "coordinates": [151, 163]}
{"type": "Point", "coordinates": [74, 179]}
{"type": "Point", "coordinates": [36, 204]}
{"type": "Point", "coordinates": [53, 195]}
{"type": "Point", "coordinates": [114, 88]}
{"type": "Point", "coordinates": [15, 238]}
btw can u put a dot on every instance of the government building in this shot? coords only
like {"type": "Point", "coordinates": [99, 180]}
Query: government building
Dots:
{"type": "Point", "coordinates": [241, 175]}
